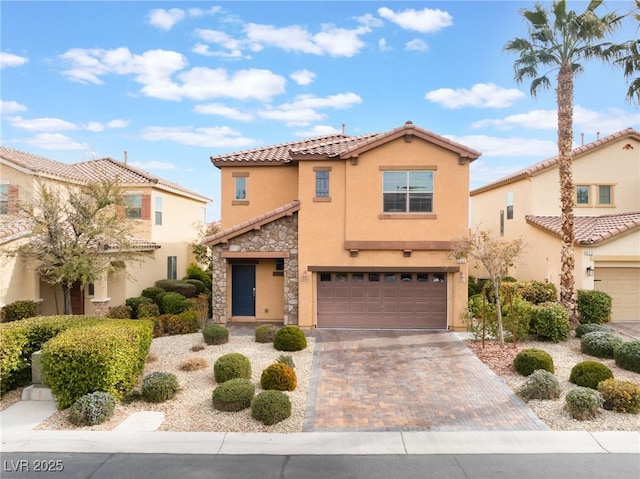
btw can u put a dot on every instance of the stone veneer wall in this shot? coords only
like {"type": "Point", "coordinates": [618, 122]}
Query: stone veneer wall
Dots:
{"type": "Point", "coordinates": [280, 235]}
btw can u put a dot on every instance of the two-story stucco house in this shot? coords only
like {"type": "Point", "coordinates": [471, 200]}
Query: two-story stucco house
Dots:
{"type": "Point", "coordinates": [344, 232]}
{"type": "Point", "coordinates": [606, 175]}
{"type": "Point", "coordinates": [166, 217]}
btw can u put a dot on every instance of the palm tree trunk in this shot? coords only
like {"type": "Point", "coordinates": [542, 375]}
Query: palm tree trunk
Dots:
{"type": "Point", "coordinates": [564, 98]}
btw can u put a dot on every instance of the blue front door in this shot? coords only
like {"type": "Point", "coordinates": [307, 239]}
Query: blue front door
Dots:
{"type": "Point", "coordinates": [243, 290]}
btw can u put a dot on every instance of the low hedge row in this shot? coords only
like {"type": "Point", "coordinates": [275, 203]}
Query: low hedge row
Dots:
{"type": "Point", "coordinates": [104, 357]}
{"type": "Point", "coordinates": [20, 339]}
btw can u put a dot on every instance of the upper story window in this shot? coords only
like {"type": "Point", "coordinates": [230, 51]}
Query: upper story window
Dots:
{"type": "Point", "coordinates": [322, 183]}
{"type": "Point", "coordinates": [133, 206]}
{"type": "Point", "coordinates": [407, 191]}
{"type": "Point", "coordinates": [158, 210]}
{"type": "Point", "coordinates": [241, 188]}
{"type": "Point", "coordinates": [582, 195]}
{"type": "Point", "coordinates": [172, 267]}
{"type": "Point", "coordinates": [203, 216]}
{"type": "Point", "coordinates": [510, 205]}
{"type": "Point", "coordinates": [605, 195]}
{"type": "Point", "coordinates": [4, 199]}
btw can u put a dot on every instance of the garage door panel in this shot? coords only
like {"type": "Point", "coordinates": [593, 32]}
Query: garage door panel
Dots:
{"type": "Point", "coordinates": [383, 300]}
{"type": "Point", "coordinates": [623, 285]}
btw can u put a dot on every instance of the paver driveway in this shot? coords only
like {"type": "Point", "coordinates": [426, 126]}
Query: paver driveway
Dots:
{"type": "Point", "coordinates": [407, 380]}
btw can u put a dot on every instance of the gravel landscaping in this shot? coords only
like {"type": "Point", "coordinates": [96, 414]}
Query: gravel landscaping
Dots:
{"type": "Point", "coordinates": [192, 409]}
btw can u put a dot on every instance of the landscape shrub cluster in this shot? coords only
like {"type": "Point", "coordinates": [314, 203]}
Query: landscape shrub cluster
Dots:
{"type": "Point", "coordinates": [18, 310]}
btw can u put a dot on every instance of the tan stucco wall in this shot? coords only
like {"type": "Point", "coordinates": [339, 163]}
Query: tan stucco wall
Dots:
{"type": "Point", "coordinates": [268, 187]}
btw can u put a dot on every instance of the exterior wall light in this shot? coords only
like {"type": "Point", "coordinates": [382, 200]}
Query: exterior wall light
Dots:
{"type": "Point", "coordinates": [590, 271]}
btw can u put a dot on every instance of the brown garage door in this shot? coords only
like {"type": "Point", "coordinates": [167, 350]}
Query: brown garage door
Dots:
{"type": "Point", "coordinates": [382, 300]}
{"type": "Point", "coordinates": [623, 285]}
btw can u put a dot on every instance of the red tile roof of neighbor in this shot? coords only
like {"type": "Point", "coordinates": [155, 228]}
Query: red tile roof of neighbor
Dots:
{"type": "Point", "coordinates": [548, 163]}
{"type": "Point", "coordinates": [240, 228]}
{"type": "Point", "coordinates": [335, 146]}
{"type": "Point", "coordinates": [90, 171]}
{"type": "Point", "coordinates": [590, 229]}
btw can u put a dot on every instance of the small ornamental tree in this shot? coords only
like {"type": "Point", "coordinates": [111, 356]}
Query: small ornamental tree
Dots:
{"type": "Point", "coordinates": [496, 256]}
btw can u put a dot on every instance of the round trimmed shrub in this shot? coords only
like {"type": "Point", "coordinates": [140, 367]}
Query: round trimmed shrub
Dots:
{"type": "Point", "coordinates": [280, 377]}
{"type": "Point", "coordinates": [583, 403]}
{"type": "Point", "coordinates": [150, 310]}
{"type": "Point", "coordinates": [582, 329]}
{"type": "Point", "coordinates": [529, 360]}
{"type": "Point", "coordinates": [589, 373]}
{"type": "Point", "coordinates": [271, 407]}
{"type": "Point", "coordinates": [620, 396]}
{"type": "Point", "coordinates": [540, 384]}
{"type": "Point", "coordinates": [593, 306]}
{"type": "Point", "coordinates": [173, 303]}
{"type": "Point", "coordinates": [153, 293]}
{"type": "Point", "coordinates": [159, 386]}
{"type": "Point", "coordinates": [135, 302]}
{"type": "Point", "coordinates": [231, 366]}
{"type": "Point", "coordinates": [290, 338]}
{"type": "Point", "coordinates": [265, 333]}
{"type": "Point", "coordinates": [627, 356]}
{"type": "Point", "coordinates": [600, 344]}
{"type": "Point", "coordinates": [215, 334]}
{"type": "Point", "coordinates": [233, 395]}
{"type": "Point", "coordinates": [91, 409]}
{"type": "Point", "coordinates": [177, 286]}
{"type": "Point", "coordinates": [550, 322]}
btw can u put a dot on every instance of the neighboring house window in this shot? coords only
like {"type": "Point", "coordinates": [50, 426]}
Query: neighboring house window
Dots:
{"type": "Point", "coordinates": [241, 188]}
{"type": "Point", "coordinates": [501, 222]}
{"type": "Point", "coordinates": [605, 195]}
{"type": "Point", "coordinates": [4, 199]}
{"type": "Point", "coordinates": [203, 216]}
{"type": "Point", "coordinates": [582, 195]}
{"type": "Point", "coordinates": [407, 191]}
{"type": "Point", "coordinates": [158, 210]}
{"type": "Point", "coordinates": [322, 182]}
{"type": "Point", "coordinates": [510, 205]}
{"type": "Point", "coordinates": [138, 206]}
{"type": "Point", "coordinates": [172, 267]}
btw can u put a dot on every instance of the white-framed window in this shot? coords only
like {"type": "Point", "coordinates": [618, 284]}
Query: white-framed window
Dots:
{"type": "Point", "coordinates": [133, 206]}
{"type": "Point", "coordinates": [172, 267]}
{"type": "Point", "coordinates": [407, 191]}
{"type": "Point", "coordinates": [241, 188]}
{"type": "Point", "coordinates": [4, 199]}
{"type": "Point", "coordinates": [158, 210]}
{"type": "Point", "coordinates": [605, 195]}
{"type": "Point", "coordinates": [582, 195]}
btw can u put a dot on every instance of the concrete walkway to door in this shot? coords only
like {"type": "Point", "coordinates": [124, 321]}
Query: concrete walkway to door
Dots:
{"type": "Point", "coordinates": [372, 380]}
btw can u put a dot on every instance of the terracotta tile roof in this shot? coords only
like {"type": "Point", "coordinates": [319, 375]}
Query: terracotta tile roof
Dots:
{"type": "Point", "coordinates": [590, 229]}
{"type": "Point", "coordinates": [548, 163]}
{"type": "Point", "coordinates": [14, 228]}
{"type": "Point", "coordinates": [89, 171]}
{"type": "Point", "coordinates": [253, 223]}
{"type": "Point", "coordinates": [333, 146]}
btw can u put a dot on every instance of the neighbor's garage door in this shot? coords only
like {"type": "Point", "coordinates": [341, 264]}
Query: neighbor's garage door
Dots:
{"type": "Point", "coordinates": [382, 300]}
{"type": "Point", "coordinates": [623, 285]}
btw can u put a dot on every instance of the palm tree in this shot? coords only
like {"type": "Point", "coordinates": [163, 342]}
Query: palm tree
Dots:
{"type": "Point", "coordinates": [562, 45]}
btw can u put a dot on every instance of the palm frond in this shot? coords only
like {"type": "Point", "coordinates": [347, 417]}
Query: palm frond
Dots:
{"type": "Point", "coordinates": [539, 83]}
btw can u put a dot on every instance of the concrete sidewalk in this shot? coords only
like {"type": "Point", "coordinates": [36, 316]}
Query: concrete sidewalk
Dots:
{"type": "Point", "coordinates": [17, 423]}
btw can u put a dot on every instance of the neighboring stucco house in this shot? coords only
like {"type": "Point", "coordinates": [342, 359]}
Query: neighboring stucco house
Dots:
{"type": "Point", "coordinates": [606, 175]}
{"type": "Point", "coordinates": [166, 216]}
{"type": "Point", "coordinates": [344, 231]}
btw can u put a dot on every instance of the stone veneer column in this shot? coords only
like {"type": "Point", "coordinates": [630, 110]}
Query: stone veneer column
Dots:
{"type": "Point", "coordinates": [219, 287]}
{"type": "Point", "coordinates": [101, 307]}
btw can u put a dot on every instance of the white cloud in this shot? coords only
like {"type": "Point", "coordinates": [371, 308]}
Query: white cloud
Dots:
{"type": "Point", "coordinates": [481, 95]}
{"type": "Point", "coordinates": [165, 19]}
{"type": "Point", "coordinates": [8, 107]}
{"type": "Point", "coordinates": [369, 20]}
{"type": "Point", "coordinates": [303, 110]}
{"type": "Point", "coordinates": [11, 60]}
{"type": "Point", "coordinates": [56, 141]}
{"type": "Point", "coordinates": [214, 137]}
{"type": "Point", "coordinates": [317, 130]}
{"type": "Point", "coordinates": [492, 146]}
{"type": "Point", "coordinates": [383, 46]}
{"type": "Point", "coordinates": [222, 110]}
{"type": "Point", "coordinates": [94, 126]}
{"type": "Point", "coordinates": [153, 165]}
{"type": "Point", "coordinates": [205, 50]}
{"type": "Point", "coordinates": [118, 123]}
{"type": "Point", "coordinates": [537, 119]}
{"type": "Point", "coordinates": [417, 45]}
{"type": "Point", "coordinates": [482, 172]}
{"type": "Point", "coordinates": [424, 21]}
{"type": "Point", "coordinates": [303, 77]}
{"type": "Point", "coordinates": [198, 12]}
{"type": "Point", "coordinates": [330, 41]}
{"type": "Point", "coordinates": [42, 124]}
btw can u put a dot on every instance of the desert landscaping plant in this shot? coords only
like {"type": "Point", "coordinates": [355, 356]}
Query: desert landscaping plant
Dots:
{"type": "Point", "coordinates": [271, 407]}
{"type": "Point", "coordinates": [286, 359]}
{"type": "Point", "coordinates": [193, 364]}
{"type": "Point", "coordinates": [215, 334]}
{"type": "Point", "coordinates": [265, 333]}
{"type": "Point", "coordinates": [589, 373]}
{"type": "Point", "coordinates": [290, 338]}
{"type": "Point", "coordinates": [550, 322]}
{"type": "Point", "coordinates": [627, 356]}
{"type": "Point", "coordinates": [540, 384]}
{"type": "Point", "coordinates": [600, 344]}
{"type": "Point", "coordinates": [594, 306]}
{"type": "Point", "coordinates": [620, 396]}
{"type": "Point", "coordinates": [583, 403]}
{"type": "Point", "coordinates": [529, 360]}
{"type": "Point", "coordinates": [231, 366]}
{"type": "Point", "coordinates": [159, 386]}
{"type": "Point", "coordinates": [279, 376]}
{"type": "Point", "coordinates": [233, 395]}
{"type": "Point", "coordinates": [582, 329]}
{"type": "Point", "coordinates": [91, 409]}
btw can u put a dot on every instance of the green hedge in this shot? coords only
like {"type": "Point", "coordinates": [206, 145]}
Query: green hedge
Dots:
{"type": "Point", "coordinates": [106, 357]}
{"type": "Point", "coordinates": [20, 339]}
{"type": "Point", "coordinates": [594, 306]}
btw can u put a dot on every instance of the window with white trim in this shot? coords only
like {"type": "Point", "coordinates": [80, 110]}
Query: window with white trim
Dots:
{"type": "Point", "coordinates": [241, 188]}
{"type": "Point", "coordinates": [158, 212]}
{"type": "Point", "coordinates": [582, 195]}
{"type": "Point", "coordinates": [133, 206]}
{"type": "Point", "coordinates": [407, 191]}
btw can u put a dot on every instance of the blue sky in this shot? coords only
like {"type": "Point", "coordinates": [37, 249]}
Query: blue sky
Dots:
{"type": "Point", "coordinates": [174, 82]}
